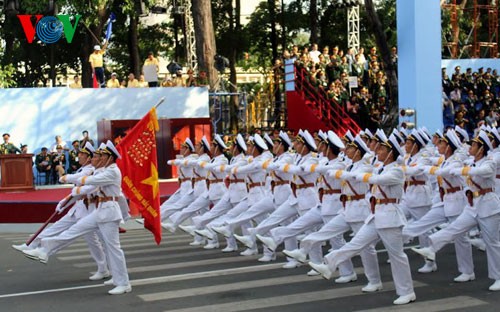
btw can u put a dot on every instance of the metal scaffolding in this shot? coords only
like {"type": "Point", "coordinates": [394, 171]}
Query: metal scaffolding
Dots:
{"type": "Point", "coordinates": [483, 15]}
{"type": "Point", "coordinates": [353, 27]}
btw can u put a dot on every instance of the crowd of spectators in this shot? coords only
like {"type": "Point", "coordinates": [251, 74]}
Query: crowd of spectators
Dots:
{"type": "Point", "coordinates": [470, 99]}
{"type": "Point", "coordinates": [330, 68]}
{"type": "Point", "coordinates": [52, 163]}
{"type": "Point", "coordinates": [175, 79]}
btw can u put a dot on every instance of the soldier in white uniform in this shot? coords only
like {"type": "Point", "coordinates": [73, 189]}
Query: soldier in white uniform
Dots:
{"type": "Point", "coordinates": [237, 191]}
{"type": "Point", "coordinates": [304, 189]}
{"type": "Point", "coordinates": [482, 208]}
{"type": "Point", "coordinates": [451, 202]}
{"type": "Point", "coordinates": [256, 182]}
{"type": "Point", "coordinates": [198, 184]}
{"type": "Point", "coordinates": [417, 198]}
{"type": "Point", "coordinates": [281, 192]}
{"type": "Point", "coordinates": [215, 186]}
{"type": "Point", "coordinates": [185, 164]}
{"type": "Point", "coordinates": [330, 192]}
{"type": "Point", "coordinates": [262, 208]}
{"type": "Point", "coordinates": [355, 211]}
{"type": "Point", "coordinates": [385, 223]}
{"type": "Point", "coordinates": [79, 210]}
{"type": "Point", "coordinates": [105, 218]}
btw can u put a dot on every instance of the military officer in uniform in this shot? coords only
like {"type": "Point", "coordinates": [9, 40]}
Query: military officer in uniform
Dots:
{"type": "Point", "coordinates": [482, 209]}
{"type": "Point", "coordinates": [43, 163]}
{"type": "Point", "coordinates": [7, 147]}
{"type": "Point", "coordinates": [385, 223]}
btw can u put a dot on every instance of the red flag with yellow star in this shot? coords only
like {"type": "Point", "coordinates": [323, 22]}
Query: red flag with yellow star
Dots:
{"type": "Point", "coordinates": [139, 167]}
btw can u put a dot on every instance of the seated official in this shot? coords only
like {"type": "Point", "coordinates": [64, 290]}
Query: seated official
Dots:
{"type": "Point", "coordinates": [43, 163]}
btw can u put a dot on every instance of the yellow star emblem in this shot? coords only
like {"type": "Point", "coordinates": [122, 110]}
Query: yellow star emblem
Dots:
{"type": "Point", "coordinates": [153, 180]}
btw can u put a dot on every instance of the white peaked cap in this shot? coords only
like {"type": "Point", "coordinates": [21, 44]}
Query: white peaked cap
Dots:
{"type": "Point", "coordinates": [285, 138]}
{"type": "Point", "coordinates": [417, 136]}
{"type": "Point", "coordinates": [241, 142]}
{"type": "Point", "coordinates": [204, 141]}
{"type": "Point", "coordinates": [495, 133]}
{"type": "Point", "coordinates": [334, 139]}
{"type": "Point", "coordinates": [380, 135]}
{"type": "Point", "coordinates": [111, 147]}
{"type": "Point", "coordinates": [348, 135]}
{"type": "Point", "coordinates": [308, 138]}
{"type": "Point", "coordinates": [220, 142]}
{"type": "Point", "coordinates": [268, 139]}
{"type": "Point", "coordinates": [462, 132]}
{"type": "Point", "coordinates": [102, 147]}
{"type": "Point", "coordinates": [368, 133]}
{"type": "Point", "coordinates": [360, 144]}
{"type": "Point", "coordinates": [393, 141]}
{"type": "Point", "coordinates": [322, 135]}
{"type": "Point", "coordinates": [88, 148]}
{"type": "Point", "coordinates": [189, 144]}
{"type": "Point", "coordinates": [483, 139]}
{"type": "Point", "coordinates": [259, 141]}
{"type": "Point", "coordinates": [403, 133]}
{"type": "Point", "coordinates": [452, 138]}
{"type": "Point", "coordinates": [397, 135]}
{"type": "Point", "coordinates": [424, 136]}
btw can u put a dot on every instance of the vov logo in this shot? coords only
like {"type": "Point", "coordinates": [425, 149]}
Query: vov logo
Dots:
{"type": "Point", "coordinates": [49, 29]}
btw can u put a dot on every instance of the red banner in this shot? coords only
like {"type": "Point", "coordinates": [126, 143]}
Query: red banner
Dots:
{"type": "Point", "coordinates": [95, 84]}
{"type": "Point", "coordinates": [139, 167]}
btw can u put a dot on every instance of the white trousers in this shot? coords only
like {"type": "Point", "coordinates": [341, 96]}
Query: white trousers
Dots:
{"type": "Point", "coordinates": [490, 230]}
{"type": "Point", "coordinates": [392, 238]}
{"type": "Point", "coordinates": [416, 213]}
{"type": "Point", "coordinates": [111, 239]}
{"type": "Point", "coordinates": [96, 248]}
{"type": "Point", "coordinates": [170, 201]}
{"type": "Point", "coordinates": [200, 205]}
{"type": "Point", "coordinates": [169, 209]}
{"type": "Point", "coordinates": [256, 212]}
{"type": "Point", "coordinates": [430, 220]}
{"type": "Point", "coordinates": [336, 228]}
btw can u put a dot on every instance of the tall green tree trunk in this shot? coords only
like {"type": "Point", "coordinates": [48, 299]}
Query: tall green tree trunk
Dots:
{"type": "Point", "coordinates": [390, 70]}
{"type": "Point", "coordinates": [133, 46]}
{"type": "Point", "coordinates": [205, 38]}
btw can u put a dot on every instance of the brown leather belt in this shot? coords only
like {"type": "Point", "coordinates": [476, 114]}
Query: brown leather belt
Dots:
{"type": "Point", "coordinates": [198, 179]}
{"type": "Point", "coordinates": [414, 182]}
{"type": "Point", "coordinates": [346, 198]}
{"type": "Point", "coordinates": [231, 181]}
{"type": "Point", "coordinates": [182, 180]}
{"type": "Point", "coordinates": [304, 185]}
{"type": "Point", "coordinates": [215, 181]}
{"type": "Point", "coordinates": [452, 190]}
{"type": "Point", "coordinates": [498, 176]}
{"type": "Point", "coordinates": [276, 183]}
{"type": "Point", "coordinates": [255, 184]}
{"type": "Point", "coordinates": [104, 199]}
{"type": "Point", "coordinates": [381, 201]}
{"type": "Point", "coordinates": [385, 201]}
{"type": "Point", "coordinates": [481, 192]}
{"type": "Point", "coordinates": [328, 192]}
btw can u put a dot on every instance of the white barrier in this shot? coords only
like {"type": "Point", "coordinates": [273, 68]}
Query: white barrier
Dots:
{"type": "Point", "coordinates": [34, 116]}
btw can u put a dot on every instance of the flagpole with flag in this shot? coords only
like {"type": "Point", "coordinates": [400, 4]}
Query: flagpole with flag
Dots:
{"type": "Point", "coordinates": [139, 167]}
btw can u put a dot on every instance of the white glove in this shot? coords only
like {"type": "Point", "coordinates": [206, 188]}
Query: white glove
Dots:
{"type": "Point", "coordinates": [170, 162]}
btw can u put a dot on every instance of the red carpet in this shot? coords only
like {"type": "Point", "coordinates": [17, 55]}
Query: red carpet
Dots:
{"type": "Point", "coordinates": [36, 206]}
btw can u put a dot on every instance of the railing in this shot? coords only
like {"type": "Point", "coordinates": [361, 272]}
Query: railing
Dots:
{"type": "Point", "coordinates": [328, 110]}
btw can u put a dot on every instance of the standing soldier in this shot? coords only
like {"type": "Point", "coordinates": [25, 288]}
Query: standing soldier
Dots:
{"type": "Point", "coordinates": [385, 222]}
{"type": "Point", "coordinates": [8, 148]}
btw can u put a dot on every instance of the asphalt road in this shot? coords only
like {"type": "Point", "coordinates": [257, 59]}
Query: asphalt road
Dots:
{"type": "Point", "coordinates": [177, 277]}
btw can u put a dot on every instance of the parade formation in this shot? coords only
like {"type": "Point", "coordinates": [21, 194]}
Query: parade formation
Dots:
{"type": "Point", "coordinates": [307, 193]}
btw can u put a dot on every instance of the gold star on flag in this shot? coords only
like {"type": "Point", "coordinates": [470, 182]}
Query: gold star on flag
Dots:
{"type": "Point", "coordinates": [153, 181]}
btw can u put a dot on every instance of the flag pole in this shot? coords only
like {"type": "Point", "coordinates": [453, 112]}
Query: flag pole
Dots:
{"type": "Point", "coordinates": [160, 102]}
{"type": "Point", "coordinates": [32, 238]}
